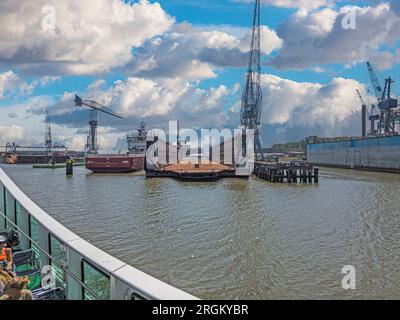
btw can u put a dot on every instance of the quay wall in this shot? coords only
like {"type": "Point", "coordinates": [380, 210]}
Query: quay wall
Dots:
{"type": "Point", "coordinates": [380, 154]}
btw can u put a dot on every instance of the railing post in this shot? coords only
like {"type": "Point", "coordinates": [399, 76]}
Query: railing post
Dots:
{"type": "Point", "coordinates": [43, 243]}
{"type": "Point", "coordinates": [10, 208]}
{"type": "Point", "coordinates": [119, 290]}
{"type": "Point", "coordinates": [74, 289]}
{"type": "Point", "coordinates": [23, 224]}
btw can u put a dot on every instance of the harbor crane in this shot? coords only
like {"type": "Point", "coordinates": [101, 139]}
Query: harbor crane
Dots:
{"type": "Point", "coordinates": [252, 95]}
{"type": "Point", "coordinates": [386, 104]}
{"type": "Point", "coordinates": [48, 141]}
{"type": "Point", "coordinates": [91, 145]}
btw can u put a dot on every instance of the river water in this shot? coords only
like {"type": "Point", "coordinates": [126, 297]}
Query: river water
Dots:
{"type": "Point", "coordinates": [236, 239]}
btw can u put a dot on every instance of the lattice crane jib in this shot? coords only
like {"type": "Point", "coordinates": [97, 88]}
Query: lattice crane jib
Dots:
{"type": "Point", "coordinates": [251, 108]}
{"type": "Point", "coordinates": [92, 146]}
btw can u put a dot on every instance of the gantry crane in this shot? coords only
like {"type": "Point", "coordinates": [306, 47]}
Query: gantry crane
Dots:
{"type": "Point", "coordinates": [252, 94]}
{"type": "Point", "coordinates": [91, 145]}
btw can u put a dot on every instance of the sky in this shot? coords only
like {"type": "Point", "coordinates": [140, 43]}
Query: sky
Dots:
{"type": "Point", "coordinates": [186, 60]}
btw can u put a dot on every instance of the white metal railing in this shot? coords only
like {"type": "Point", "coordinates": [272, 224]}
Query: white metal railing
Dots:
{"type": "Point", "coordinates": [124, 282]}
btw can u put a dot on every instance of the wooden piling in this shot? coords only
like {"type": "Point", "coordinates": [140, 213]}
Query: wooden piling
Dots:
{"type": "Point", "coordinates": [316, 175]}
{"type": "Point", "coordinates": [294, 172]}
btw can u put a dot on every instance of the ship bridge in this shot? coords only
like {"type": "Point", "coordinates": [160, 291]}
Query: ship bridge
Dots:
{"type": "Point", "coordinates": [78, 269]}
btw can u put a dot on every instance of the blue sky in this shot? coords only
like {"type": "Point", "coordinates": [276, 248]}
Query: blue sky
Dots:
{"type": "Point", "coordinates": [185, 59]}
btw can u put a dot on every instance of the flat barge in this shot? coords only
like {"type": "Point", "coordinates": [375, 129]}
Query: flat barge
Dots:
{"type": "Point", "coordinates": [194, 172]}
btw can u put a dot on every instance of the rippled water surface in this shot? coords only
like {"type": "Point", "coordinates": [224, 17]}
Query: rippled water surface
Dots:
{"type": "Point", "coordinates": [236, 238]}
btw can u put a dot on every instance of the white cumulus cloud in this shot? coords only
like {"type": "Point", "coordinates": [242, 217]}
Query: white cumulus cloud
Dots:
{"type": "Point", "coordinates": [90, 36]}
{"type": "Point", "coordinates": [11, 133]}
{"type": "Point", "coordinates": [195, 53]}
{"type": "Point", "coordinates": [11, 83]}
{"type": "Point", "coordinates": [318, 37]}
{"type": "Point", "coordinates": [304, 104]}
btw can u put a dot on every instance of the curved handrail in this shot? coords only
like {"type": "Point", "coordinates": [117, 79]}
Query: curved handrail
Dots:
{"type": "Point", "coordinates": [141, 282]}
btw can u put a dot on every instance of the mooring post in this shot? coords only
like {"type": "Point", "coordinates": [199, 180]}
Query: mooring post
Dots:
{"type": "Point", "coordinates": [316, 175]}
{"type": "Point", "coordinates": [69, 167]}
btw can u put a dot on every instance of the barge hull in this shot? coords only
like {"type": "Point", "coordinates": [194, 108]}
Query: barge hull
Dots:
{"type": "Point", "coordinates": [114, 163]}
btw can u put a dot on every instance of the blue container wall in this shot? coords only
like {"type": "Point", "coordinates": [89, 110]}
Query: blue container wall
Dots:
{"type": "Point", "coordinates": [379, 153]}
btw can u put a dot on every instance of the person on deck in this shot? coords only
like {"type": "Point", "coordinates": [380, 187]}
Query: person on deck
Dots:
{"type": "Point", "coordinates": [15, 289]}
{"type": "Point", "coordinates": [6, 256]}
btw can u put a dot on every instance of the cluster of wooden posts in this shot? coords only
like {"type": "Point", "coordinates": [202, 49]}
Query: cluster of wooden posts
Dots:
{"type": "Point", "coordinates": [286, 172]}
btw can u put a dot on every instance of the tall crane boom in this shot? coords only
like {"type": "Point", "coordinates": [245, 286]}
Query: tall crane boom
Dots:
{"type": "Point", "coordinates": [91, 145]}
{"type": "Point", "coordinates": [252, 94]}
{"type": "Point", "coordinates": [375, 82]}
{"type": "Point", "coordinates": [96, 106]}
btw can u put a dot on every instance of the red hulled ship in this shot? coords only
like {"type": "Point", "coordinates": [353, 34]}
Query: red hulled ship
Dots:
{"type": "Point", "coordinates": [132, 161]}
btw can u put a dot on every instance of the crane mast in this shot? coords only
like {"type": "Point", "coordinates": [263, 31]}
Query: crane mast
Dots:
{"type": "Point", "coordinates": [252, 94]}
{"type": "Point", "coordinates": [91, 144]}
{"type": "Point", "coordinates": [48, 141]}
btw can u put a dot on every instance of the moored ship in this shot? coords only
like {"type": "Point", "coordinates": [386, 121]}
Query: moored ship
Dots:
{"type": "Point", "coordinates": [15, 154]}
{"type": "Point", "coordinates": [132, 161]}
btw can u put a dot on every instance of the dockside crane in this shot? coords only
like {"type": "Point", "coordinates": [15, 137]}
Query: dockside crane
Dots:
{"type": "Point", "coordinates": [386, 104]}
{"type": "Point", "coordinates": [252, 95]}
{"type": "Point", "coordinates": [48, 140]}
{"type": "Point", "coordinates": [95, 107]}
